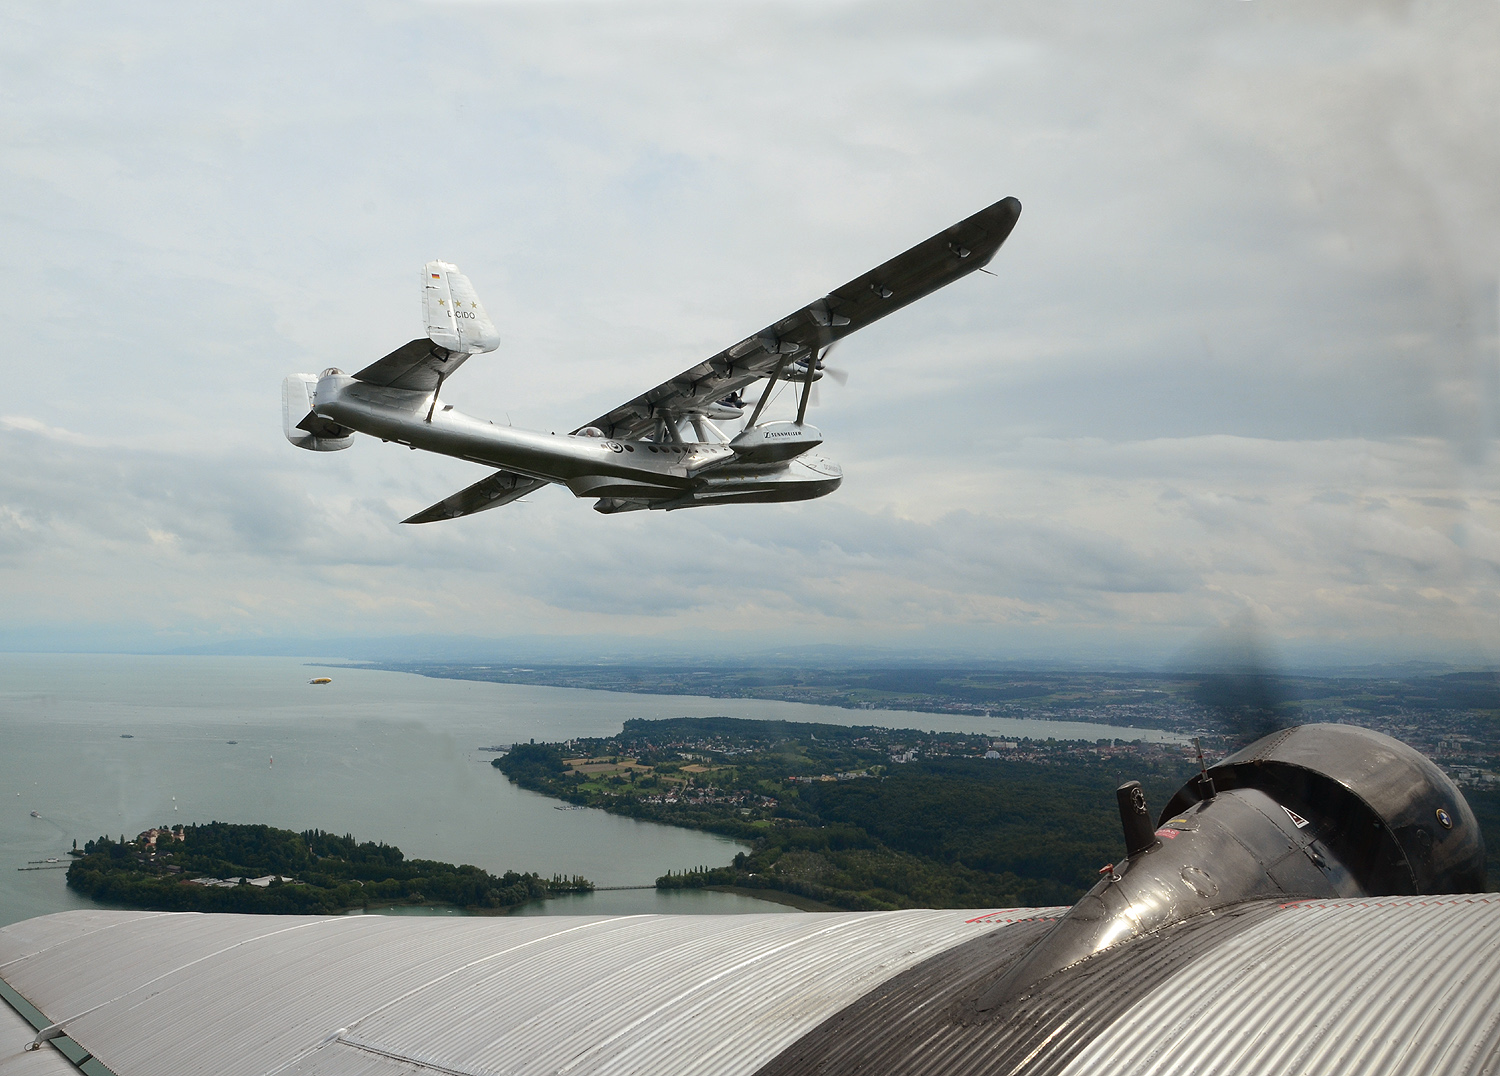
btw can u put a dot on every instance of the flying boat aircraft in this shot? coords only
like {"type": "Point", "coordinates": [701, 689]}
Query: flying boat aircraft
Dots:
{"type": "Point", "coordinates": [665, 449]}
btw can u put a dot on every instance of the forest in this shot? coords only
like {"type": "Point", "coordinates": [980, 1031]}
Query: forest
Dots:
{"type": "Point", "coordinates": [309, 872]}
{"type": "Point", "coordinates": [830, 818]}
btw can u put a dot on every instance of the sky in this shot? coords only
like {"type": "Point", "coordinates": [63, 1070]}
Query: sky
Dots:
{"type": "Point", "coordinates": [1237, 363]}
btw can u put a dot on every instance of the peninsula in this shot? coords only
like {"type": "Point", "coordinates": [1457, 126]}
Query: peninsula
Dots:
{"type": "Point", "coordinates": [864, 817]}
{"type": "Point", "coordinates": [867, 817]}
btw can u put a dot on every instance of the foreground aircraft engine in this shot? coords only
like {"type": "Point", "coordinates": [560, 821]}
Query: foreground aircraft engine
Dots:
{"type": "Point", "coordinates": [1315, 811]}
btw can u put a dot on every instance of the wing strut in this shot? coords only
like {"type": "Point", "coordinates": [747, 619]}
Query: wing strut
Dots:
{"type": "Point", "coordinates": [764, 396]}
{"type": "Point", "coordinates": [442, 374]}
{"type": "Point", "coordinates": [933, 263]}
{"type": "Point", "coordinates": [807, 386]}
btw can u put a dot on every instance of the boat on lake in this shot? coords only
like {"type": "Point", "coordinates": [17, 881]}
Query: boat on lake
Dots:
{"type": "Point", "coordinates": [321, 680]}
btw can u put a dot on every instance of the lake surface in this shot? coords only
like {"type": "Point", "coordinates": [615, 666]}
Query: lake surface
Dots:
{"type": "Point", "coordinates": [115, 744]}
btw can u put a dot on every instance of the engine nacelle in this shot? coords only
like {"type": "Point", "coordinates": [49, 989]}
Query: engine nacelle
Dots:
{"type": "Point", "coordinates": [1312, 812]}
{"type": "Point", "coordinates": [773, 442]}
{"type": "Point", "coordinates": [302, 425]}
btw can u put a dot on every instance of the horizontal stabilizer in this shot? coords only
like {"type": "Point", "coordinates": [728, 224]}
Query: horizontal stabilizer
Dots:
{"type": "Point", "coordinates": [502, 487]}
{"type": "Point", "coordinates": [457, 327]}
{"type": "Point", "coordinates": [420, 364]}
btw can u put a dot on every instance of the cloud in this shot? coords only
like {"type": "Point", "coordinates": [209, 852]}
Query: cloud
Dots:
{"type": "Point", "coordinates": [37, 426]}
{"type": "Point", "coordinates": [1239, 353]}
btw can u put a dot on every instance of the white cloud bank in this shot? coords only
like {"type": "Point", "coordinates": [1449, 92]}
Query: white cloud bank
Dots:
{"type": "Point", "coordinates": [1240, 353]}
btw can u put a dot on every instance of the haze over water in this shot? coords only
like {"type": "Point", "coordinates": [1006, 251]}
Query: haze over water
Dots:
{"type": "Point", "coordinates": [385, 756]}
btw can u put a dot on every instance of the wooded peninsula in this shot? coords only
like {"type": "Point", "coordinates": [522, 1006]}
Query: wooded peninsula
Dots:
{"type": "Point", "coordinates": [865, 817]}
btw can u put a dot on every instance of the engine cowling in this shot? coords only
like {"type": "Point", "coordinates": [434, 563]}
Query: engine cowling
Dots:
{"type": "Point", "coordinates": [302, 425]}
{"type": "Point", "coordinates": [1394, 819]}
{"type": "Point", "coordinates": [1316, 811]}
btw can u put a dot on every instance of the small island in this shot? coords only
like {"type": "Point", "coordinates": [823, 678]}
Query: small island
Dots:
{"type": "Point", "coordinates": [227, 867]}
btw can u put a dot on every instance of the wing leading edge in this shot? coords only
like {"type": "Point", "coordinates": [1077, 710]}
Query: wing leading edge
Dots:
{"type": "Point", "coordinates": [502, 487]}
{"type": "Point", "coordinates": [934, 263]}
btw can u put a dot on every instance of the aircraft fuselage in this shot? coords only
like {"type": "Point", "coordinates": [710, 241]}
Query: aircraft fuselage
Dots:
{"type": "Point", "coordinates": [638, 474]}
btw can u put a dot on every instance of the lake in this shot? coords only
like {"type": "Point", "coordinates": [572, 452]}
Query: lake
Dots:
{"type": "Point", "coordinates": [115, 744]}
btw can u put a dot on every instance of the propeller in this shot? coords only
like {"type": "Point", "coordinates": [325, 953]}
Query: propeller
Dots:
{"type": "Point", "coordinates": [838, 374]}
{"type": "Point", "coordinates": [1236, 685]}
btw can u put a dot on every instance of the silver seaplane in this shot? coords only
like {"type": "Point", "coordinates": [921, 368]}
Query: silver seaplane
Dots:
{"type": "Point", "coordinates": [667, 448]}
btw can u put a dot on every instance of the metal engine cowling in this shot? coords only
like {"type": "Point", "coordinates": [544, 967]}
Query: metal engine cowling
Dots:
{"type": "Point", "coordinates": [1316, 811]}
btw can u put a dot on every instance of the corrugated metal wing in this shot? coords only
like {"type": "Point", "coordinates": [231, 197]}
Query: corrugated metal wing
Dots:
{"type": "Point", "coordinates": [168, 994]}
{"type": "Point", "coordinates": [1380, 987]}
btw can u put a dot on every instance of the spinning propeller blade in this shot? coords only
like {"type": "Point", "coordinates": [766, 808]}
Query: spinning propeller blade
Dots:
{"type": "Point", "coordinates": [839, 375]}
{"type": "Point", "coordinates": [1236, 684]}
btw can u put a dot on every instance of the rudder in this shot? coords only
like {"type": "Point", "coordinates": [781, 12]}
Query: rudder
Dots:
{"type": "Point", "coordinates": [455, 318]}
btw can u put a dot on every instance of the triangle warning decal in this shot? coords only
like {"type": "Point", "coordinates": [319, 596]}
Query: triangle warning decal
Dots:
{"type": "Point", "coordinates": [1297, 819]}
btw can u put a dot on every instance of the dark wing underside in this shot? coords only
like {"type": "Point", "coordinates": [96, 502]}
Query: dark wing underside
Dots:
{"type": "Point", "coordinates": [502, 487]}
{"type": "Point", "coordinates": [953, 253]}
{"type": "Point", "coordinates": [420, 364]}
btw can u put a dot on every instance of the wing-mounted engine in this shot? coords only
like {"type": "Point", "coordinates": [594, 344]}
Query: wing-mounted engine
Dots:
{"type": "Point", "coordinates": [302, 425]}
{"type": "Point", "coordinates": [1390, 816]}
{"type": "Point", "coordinates": [1316, 811]}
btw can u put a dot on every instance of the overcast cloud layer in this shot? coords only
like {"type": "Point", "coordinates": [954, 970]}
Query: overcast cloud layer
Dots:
{"type": "Point", "coordinates": [1239, 357]}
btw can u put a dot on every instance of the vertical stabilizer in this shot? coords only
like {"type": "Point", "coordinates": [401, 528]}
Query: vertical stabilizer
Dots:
{"type": "Point", "coordinates": [455, 318]}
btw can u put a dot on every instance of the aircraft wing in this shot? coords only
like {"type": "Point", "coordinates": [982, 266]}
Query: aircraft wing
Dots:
{"type": "Point", "coordinates": [953, 253]}
{"type": "Point", "coordinates": [1380, 986]}
{"type": "Point", "coordinates": [502, 487]}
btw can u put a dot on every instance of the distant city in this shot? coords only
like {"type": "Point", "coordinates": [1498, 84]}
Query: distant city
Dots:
{"type": "Point", "coordinates": [1448, 715]}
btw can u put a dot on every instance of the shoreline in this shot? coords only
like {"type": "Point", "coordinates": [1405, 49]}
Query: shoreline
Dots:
{"type": "Point", "coordinates": [775, 896]}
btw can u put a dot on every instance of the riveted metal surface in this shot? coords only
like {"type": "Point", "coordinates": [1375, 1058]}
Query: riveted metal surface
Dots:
{"type": "Point", "coordinates": [229, 994]}
{"type": "Point", "coordinates": [935, 1020]}
{"type": "Point", "coordinates": [1378, 987]}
